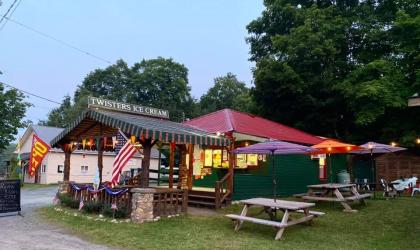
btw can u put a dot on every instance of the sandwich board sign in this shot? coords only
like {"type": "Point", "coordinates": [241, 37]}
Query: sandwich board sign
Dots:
{"type": "Point", "coordinates": [10, 196]}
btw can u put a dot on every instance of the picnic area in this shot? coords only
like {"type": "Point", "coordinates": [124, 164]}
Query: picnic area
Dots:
{"type": "Point", "coordinates": [383, 224]}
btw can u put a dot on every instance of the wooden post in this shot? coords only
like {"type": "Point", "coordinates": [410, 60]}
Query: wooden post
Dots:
{"type": "Point", "coordinates": [171, 164]}
{"type": "Point", "coordinates": [100, 150]}
{"type": "Point", "coordinates": [191, 166]}
{"type": "Point", "coordinates": [68, 149]}
{"type": "Point", "coordinates": [183, 171]}
{"type": "Point", "coordinates": [231, 166]}
{"type": "Point", "coordinates": [145, 162]}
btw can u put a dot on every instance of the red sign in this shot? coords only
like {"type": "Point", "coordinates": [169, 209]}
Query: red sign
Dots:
{"type": "Point", "coordinates": [39, 151]}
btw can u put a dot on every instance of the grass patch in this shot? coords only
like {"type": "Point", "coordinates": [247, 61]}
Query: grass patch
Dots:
{"type": "Point", "coordinates": [383, 224]}
{"type": "Point", "coordinates": [33, 186]}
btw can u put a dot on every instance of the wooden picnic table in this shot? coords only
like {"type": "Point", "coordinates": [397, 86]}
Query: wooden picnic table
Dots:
{"type": "Point", "coordinates": [331, 192]}
{"type": "Point", "coordinates": [271, 207]}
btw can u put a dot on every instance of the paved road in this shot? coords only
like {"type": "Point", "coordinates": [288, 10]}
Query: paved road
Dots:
{"type": "Point", "coordinates": [29, 232]}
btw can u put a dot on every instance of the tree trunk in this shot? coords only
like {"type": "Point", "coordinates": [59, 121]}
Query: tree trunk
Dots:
{"type": "Point", "coordinates": [67, 155]}
{"type": "Point", "coordinates": [172, 147]}
{"type": "Point", "coordinates": [190, 165]}
{"type": "Point", "coordinates": [100, 150]}
{"type": "Point", "coordinates": [145, 163]}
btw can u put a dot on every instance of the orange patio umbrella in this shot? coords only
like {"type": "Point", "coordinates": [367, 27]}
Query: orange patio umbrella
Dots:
{"type": "Point", "coordinates": [334, 147]}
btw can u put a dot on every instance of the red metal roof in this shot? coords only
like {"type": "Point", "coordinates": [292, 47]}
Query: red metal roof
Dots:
{"type": "Point", "coordinates": [228, 120]}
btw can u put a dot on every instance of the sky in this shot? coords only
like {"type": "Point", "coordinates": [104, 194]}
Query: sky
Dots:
{"type": "Point", "coordinates": [207, 36]}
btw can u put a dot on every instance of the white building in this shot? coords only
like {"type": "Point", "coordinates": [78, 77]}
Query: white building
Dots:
{"type": "Point", "coordinates": [83, 162]}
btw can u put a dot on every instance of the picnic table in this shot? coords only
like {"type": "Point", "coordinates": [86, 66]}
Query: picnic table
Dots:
{"type": "Point", "coordinates": [333, 192]}
{"type": "Point", "coordinates": [271, 207]}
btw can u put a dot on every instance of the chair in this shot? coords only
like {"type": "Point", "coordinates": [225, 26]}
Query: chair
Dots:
{"type": "Point", "coordinates": [415, 189]}
{"type": "Point", "coordinates": [389, 190]}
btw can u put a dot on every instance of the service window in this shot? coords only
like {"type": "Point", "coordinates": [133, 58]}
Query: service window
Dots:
{"type": "Point", "coordinates": [60, 169]}
{"type": "Point", "coordinates": [217, 158]}
{"type": "Point", "coordinates": [84, 169]}
{"type": "Point", "coordinates": [241, 161]}
{"type": "Point", "coordinates": [252, 160]}
{"type": "Point", "coordinates": [208, 158]}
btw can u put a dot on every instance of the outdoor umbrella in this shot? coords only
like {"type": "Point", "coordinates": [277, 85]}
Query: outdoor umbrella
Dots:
{"type": "Point", "coordinates": [334, 147]}
{"type": "Point", "coordinates": [274, 147]}
{"type": "Point", "coordinates": [376, 148]}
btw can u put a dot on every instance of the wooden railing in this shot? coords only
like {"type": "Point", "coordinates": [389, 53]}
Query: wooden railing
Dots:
{"type": "Point", "coordinates": [222, 191]}
{"type": "Point", "coordinates": [123, 200]}
{"type": "Point", "coordinates": [169, 202]}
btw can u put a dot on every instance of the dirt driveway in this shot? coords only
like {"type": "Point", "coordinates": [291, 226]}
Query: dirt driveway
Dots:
{"type": "Point", "coordinates": [29, 232]}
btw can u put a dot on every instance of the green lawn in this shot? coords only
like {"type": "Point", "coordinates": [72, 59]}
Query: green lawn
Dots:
{"type": "Point", "coordinates": [32, 186]}
{"type": "Point", "coordinates": [383, 224]}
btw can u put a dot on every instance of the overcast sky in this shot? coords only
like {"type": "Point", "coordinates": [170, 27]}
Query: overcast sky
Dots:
{"type": "Point", "coordinates": [207, 36]}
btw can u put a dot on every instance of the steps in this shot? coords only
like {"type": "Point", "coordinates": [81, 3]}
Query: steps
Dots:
{"type": "Point", "coordinates": [204, 199]}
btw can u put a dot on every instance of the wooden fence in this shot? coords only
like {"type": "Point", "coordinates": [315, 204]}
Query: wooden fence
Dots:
{"type": "Point", "coordinates": [123, 200]}
{"type": "Point", "coordinates": [169, 202]}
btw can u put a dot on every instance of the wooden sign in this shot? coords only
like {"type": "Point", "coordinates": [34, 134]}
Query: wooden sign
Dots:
{"type": "Point", "coordinates": [9, 196]}
{"type": "Point", "coordinates": [94, 102]}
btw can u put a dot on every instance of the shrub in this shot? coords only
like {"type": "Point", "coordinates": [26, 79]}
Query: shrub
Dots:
{"type": "Point", "coordinates": [121, 212]}
{"type": "Point", "coordinates": [93, 207]}
{"type": "Point", "coordinates": [68, 201]}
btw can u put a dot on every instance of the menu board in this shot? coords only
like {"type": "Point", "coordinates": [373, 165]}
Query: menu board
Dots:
{"type": "Point", "coordinates": [217, 158]}
{"type": "Point", "coordinates": [241, 161]}
{"type": "Point", "coordinates": [9, 196]}
{"type": "Point", "coordinates": [208, 158]}
{"type": "Point", "coordinates": [252, 160]}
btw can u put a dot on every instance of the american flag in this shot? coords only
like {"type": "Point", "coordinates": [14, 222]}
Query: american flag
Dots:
{"type": "Point", "coordinates": [124, 150]}
{"type": "Point", "coordinates": [81, 204]}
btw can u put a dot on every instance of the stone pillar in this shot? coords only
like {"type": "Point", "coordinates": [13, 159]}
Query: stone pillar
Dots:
{"type": "Point", "coordinates": [63, 187]}
{"type": "Point", "coordinates": [142, 204]}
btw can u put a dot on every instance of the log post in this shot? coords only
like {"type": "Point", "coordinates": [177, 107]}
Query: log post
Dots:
{"type": "Point", "coordinates": [68, 149]}
{"type": "Point", "coordinates": [145, 162]}
{"type": "Point", "coordinates": [183, 171]}
{"type": "Point", "coordinates": [171, 164]}
{"type": "Point", "coordinates": [191, 166]}
{"type": "Point", "coordinates": [100, 158]}
{"type": "Point", "coordinates": [231, 166]}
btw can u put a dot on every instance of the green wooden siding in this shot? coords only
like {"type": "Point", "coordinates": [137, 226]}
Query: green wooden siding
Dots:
{"type": "Point", "coordinates": [362, 168]}
{"type": "Point", "coordinates": [293, 174]}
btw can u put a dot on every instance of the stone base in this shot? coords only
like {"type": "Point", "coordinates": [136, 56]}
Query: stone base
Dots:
{"type": "Point", "coordinates": [63, 187]}
{"type": "Point", "coordinates": [142, 205]}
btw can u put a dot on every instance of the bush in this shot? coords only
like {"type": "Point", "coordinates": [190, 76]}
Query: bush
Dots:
{"type": "Point", "coordinates": [68, 201]}
{"type": "Point", "coordinates": [93, 207]}
{"type": "Point", "coordinates": [121, 212]}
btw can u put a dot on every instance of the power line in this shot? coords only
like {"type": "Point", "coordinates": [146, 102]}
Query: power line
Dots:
{"type": "Point", "coordinates": [29, 93]}
{"type": "Point", "coordinates": [7, 12]}
{"type": "Point", "coordinates": [11, 14]}
{"type": "Point", "coordinates": [57, 40]}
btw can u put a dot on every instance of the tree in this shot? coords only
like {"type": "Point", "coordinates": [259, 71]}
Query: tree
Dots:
{"type": "Point", "coordinates": [12, 112]}
{"type": "Point", "coordinates": [160, 83]}
{"type": "Point", "coordinates": [227, 92]}
{"type": "Point", "coordinates": [337, 68]}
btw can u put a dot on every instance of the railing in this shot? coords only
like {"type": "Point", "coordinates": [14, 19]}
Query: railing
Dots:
{"type": "Point", "coordinates": [122, 200]}
{"type": "Point", "coordinates": [169, 202]}
{"type": "Point", "coordinates": [222, 191]}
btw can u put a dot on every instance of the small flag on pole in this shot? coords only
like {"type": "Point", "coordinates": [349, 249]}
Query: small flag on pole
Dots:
{"type": "Point", "coordinates": [114, 206]}
{"type": "Point", "coordinates": [81, 204]}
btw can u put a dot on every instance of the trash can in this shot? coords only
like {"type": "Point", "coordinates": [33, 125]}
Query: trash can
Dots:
{"type": "Point", "coordinates": [343, 177]}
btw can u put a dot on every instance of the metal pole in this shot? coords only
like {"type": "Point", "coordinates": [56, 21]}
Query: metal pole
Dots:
{"type": "Point", "coordinates": [373, 172]}
{"type": "Point", "coordinates": [274, 175]}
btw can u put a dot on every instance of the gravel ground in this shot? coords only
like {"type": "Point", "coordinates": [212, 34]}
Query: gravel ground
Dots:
{"type": "Point", "coordinates": [29, 232]}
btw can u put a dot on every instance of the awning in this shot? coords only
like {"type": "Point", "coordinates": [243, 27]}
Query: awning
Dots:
{"type": "Point", "coordinates": [88, 125]}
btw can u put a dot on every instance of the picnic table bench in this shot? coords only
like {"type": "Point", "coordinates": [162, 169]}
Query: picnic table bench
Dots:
{"type": "Point", "coordinates": [331, 192]}
{"type": "Point", "coordinates": [271, 207]}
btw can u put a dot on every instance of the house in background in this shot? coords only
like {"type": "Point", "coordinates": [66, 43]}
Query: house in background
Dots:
{"type": "Point", "coordinates": [83, 162]}
{"type": "Point", "coordinates": [253, 173]}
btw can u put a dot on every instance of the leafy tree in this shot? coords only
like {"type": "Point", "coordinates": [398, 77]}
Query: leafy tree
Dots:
{"type": "Point", "coordinates": [227, 92]}
{"type": "Point", "coordinates": [12, 112]}
{"type": "Point", "coordinates": [338, 68]}
{"type": "Point", "coordinates": [161, 83]}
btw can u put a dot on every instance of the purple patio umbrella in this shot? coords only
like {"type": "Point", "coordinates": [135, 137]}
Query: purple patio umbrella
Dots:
{"type": "Point", "coordinates": [274, 147]}
{"type": "Point", "coordinates": [376, 148]}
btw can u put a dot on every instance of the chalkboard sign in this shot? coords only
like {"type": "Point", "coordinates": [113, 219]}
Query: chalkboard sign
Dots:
{"type": "Point", "coordinates": [9, 196]}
